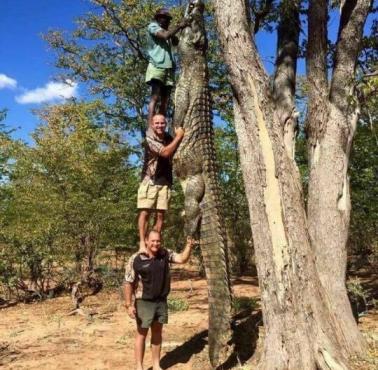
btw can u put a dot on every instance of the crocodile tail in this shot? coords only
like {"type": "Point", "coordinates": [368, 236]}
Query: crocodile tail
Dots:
{"type": "Point", "coordinates": [199, 145]}
{"type": "Point", "coordinates": [214, 253]}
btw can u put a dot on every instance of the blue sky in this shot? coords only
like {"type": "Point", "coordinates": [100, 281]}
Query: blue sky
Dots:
{"type": "Point", "coordinates": [25, 58]}
{"type": "Point", "coordinates": [27, 65]}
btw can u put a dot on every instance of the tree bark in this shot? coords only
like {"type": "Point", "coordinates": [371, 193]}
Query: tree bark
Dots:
{"type": "Point", "coordinates": [332, 118]}
{"type": "Point", "coordinates": [286, 70]}
{"type": "Point", "coordinates": [301, 331]}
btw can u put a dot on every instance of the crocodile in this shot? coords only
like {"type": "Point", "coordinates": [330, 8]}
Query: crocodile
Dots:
{"type": "Point", "coordinates": [195, 165]}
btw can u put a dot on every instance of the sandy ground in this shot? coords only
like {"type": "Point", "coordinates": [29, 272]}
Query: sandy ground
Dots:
{"type": "Point", "coordinates": [41, 335]}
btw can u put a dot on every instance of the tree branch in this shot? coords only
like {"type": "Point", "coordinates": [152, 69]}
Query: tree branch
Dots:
{"type": "Point", "coordinates": [370, 75]}
{"type": "Point", "coordinates": [316, 64]}
{"type": "Point", "coordinates": [287, 50]}
{"type": "Point", "coordinates": [286, 67]}
{"type": "Point", "coordinates": [353, 16]}
{"type": "Point", "coordinates": [133, 43]}
{"type": "Point", "coordinates": [261, 14]}
{"type": "Point", "coordinates": [317, 44]}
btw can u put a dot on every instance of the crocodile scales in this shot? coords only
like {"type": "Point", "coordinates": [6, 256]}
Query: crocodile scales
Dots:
{"type": "Point", "coordinates": [196, 166]}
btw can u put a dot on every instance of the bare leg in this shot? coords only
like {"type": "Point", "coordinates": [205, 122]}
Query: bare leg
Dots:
{"type": "Point", "coordinates": [155, 97]}
{"type": "Point", "coordinates": [156, 339]}
{"type": "Point", "coordinates": [159, 220]}
{"type": "Point", "coordinates": [140, 345]}
{"type": "Point", "coordinates": [142, 226]}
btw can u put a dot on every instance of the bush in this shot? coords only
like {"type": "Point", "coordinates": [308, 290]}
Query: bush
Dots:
{"type": "Point", "coordinates": [177, 304]}
{"type": "Point", "coordinates": [244, 303]}
{"type": "Point", "coordinates": [357, 296]}
{"type": "Point", "coordinates": [111, 277]}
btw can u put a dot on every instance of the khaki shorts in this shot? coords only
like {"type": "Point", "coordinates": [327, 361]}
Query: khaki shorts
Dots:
{"type": "Point", "coordinates": [164, 75]}
{"type": "Point", "coordinates": [153, 196]}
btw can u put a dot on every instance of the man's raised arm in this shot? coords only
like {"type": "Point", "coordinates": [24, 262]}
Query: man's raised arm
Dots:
{"type": "Point", "coordinates": [168, 150]}
{"type": "Point", "coordinates": [167, 34]}
{"type": "Point", "coordinates": [183, 257]}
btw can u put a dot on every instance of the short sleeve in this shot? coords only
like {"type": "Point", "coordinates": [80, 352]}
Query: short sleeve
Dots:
{"type": "Point", "coordinates": [154, 145]}
{"type": "Point", "coordinates": [171, 255]}
{"type": "Point", "coordinates": [154, 28]}
{"type": "Point", "coordinates": [129, 270]}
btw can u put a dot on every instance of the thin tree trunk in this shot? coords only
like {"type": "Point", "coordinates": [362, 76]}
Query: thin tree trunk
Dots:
{"type": "Point", "coordinates": [332, 119]}
{"type": "Point", "coordinates": [301, 333]}
{"type": "Point", "coordinates": [286, 70]}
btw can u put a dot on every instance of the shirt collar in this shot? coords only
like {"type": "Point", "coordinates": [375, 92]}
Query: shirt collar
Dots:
{"type": "Point", "coordinates": [145, 256]}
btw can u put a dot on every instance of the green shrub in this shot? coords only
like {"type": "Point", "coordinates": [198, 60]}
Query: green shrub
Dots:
{"type": "Point", "coordinates": [244, 303]}
{"type": "Point", "coordinates": [110, 276]}
{"type": "Point", "coordinates": [358, 297]}
{"type": "Point", "coordinates": [177, 304]}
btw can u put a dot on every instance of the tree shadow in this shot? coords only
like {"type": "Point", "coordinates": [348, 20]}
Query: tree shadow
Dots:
{"type": "Point", "coordinates": [245, 335]}
{"type": "Point", "coordinates": [250, 280]}
{"type": "Point", "coordinates": [183, 353]}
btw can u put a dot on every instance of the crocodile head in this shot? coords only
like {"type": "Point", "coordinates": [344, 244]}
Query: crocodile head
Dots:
{"type": "Point", "coordinates": [194, 6]}
{"type": "Point", "coordinates": [193, 37]}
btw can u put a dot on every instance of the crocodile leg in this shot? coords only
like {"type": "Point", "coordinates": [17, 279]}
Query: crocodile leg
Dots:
{"type": "Point", "coordinates": [181, 104]}
{"type": "Point", "coordinates": [194, 191]}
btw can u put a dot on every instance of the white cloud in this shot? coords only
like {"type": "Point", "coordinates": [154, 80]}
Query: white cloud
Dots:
{"type": "Point", "coordinates": [7, 82]}
{"type": "Point", "coordinates": [52, 91]}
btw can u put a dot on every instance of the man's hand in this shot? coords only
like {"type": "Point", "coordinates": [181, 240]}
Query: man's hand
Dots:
{"type": "Point", "coordinates": [183, 257]}
{"type": "Point", "coordinates": [192, 243]}
{"type": "Point", "coordinates": [185, 22]}
{"type": "Point", "coordinates": [131, 311]}
{"type": "Point", "coordinates": [179, 132]}
{"type": "Point", "coordinates": [165, 35]}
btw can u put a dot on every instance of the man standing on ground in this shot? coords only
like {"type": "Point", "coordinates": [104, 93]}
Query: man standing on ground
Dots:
{"type": "Point", "coordinates": [147, 278]}
{"type": "Point", "coordinates": [160, 71]}
{"type": "Point", "coordinates": [155, 189]}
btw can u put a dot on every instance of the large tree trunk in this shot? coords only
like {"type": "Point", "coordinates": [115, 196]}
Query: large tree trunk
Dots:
{"type": "Point", "coordinates": [332, 118]}
{"type": "Point", "coordinates": [301, 332]}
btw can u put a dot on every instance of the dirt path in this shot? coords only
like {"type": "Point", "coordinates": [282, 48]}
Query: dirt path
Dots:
{"type": "Point", "coordinates": [41, 336]}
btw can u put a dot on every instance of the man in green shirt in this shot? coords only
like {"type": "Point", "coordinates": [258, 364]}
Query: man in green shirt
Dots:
{"type": "Point", "coordinates": [160, 70]}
